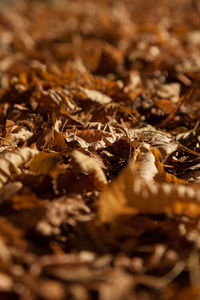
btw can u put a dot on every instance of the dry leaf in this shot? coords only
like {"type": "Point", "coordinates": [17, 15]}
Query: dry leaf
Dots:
{"type": "Point", "coordinates": [16, 134]}
{"type": "Point", "coordinates": [145, 162]}
{"type": "Point", "coordinates": [89, 165]}
{"type": "Point", "coordinates": [99, 83]}
{"type": "Point", "coordinates": [93, 139]}
{"type": "Point", "coordinates": [164, 142]}
{"type": "Point", "coordinates": [130, 194]}
{"type": "Point", "coordinates": [96, 96]}
{"type": "Point", "coordinates": [150, 166]}
{"type": "Point", "coordinates": [45, 163]}
{"type": "Point", "coordinates": [12, 161]}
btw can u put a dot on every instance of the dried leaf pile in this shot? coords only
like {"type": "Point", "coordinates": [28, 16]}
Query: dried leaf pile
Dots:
{"type": "Point", "coordinates": [100, 150]}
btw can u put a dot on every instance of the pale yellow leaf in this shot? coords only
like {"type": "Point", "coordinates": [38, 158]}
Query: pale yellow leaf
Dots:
{"type": "Point", "coordinates": [12, 161]}
{"type": "Point", "coordinates": [96, 96]}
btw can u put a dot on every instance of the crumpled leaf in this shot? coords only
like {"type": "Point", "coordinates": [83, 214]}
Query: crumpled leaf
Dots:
{"type": "Point", "coordinates": [93, 139]}
{"type": "Point", "coordinates": [12, 161]}
{"type": "Point", "coordinates": [164, 142]}
{"type": "Point", "coordinates": [149, 164]}
{"type": "Point", "coordinates": [96, 96]}
{"type": "Point", "coordinates": [145, 162]}
{"type": "Point", "coordinates": [16, 134]}
{"type": "Point", "coordinates": [22, 135]}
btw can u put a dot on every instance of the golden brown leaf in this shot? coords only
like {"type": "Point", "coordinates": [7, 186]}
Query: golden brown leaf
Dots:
{"type": "Point", "coordinates": [89, 165]}
{"type": "Point", "coordinates": [45, 163]}
{"type": "Point", "coordinates": [130, 194]}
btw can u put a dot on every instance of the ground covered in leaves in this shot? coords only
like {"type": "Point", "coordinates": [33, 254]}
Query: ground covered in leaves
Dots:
{"type": "Point", "coordinates": [100, 150]}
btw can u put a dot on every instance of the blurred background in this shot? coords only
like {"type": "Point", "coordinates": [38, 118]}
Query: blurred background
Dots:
{"type": "Point", "coordinates": [105, 37]}
{"type": "Point", "coordinates": [108, 38]}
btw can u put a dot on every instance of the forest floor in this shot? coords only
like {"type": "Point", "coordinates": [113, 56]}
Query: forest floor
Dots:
{"type": "Point", "coordinates": [100, 150]}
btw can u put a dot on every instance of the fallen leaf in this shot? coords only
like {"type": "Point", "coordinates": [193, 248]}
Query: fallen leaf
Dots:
{"type": "Point", "coordinates": [12, 161]}
{"type": "Point", "coordinates": [96, 96]}
{"type": "Point", "coordinates": [89, 165]}
{"type": "Point", "coordinates": [45, 163]}
{"type": "Point", "coordinates": [130, 194]}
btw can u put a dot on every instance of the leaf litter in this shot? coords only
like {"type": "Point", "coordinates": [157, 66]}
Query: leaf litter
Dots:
{"type": "Point", "coordinates": [99, 150]}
